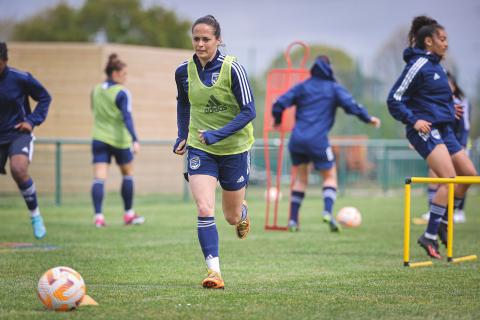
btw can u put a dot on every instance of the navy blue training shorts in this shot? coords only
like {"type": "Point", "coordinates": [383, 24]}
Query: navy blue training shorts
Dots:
{"type": "Point", "coordinates": [22, 144]}
{"type": "Point", "coordinates": [232, 171]}
{"type": "Point", "coordinates": [425, 143]}
{"type": "Point", "coordinates": [323, 159]}
{"type": "Point", "coordinates": [103, 152]}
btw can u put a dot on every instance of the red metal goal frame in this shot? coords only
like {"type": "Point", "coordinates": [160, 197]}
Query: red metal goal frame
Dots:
{"type": "Point", "coordinates": [280, 81]}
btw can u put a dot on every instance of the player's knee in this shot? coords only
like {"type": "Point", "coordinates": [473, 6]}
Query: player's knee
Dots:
{"type": "Point", "coordinates": [19, 172]}
{"type": "Point", "coordinates": [300, 185]}
{"type": "Point", "coordinates": [303, 181]}
{"type": "Point", "coordinates": [443, 188]}
{"type": "Point", "coordinates": [472, 172]}
{"type": "Point", "coordinates": [127, 170]}
{"type": "Point", "coordinates": [205, 210]}
{"type": "Point", "coordinates": [232, 219]}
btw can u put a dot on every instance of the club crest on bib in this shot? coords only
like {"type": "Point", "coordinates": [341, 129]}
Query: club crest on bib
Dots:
{"type": "Point", "coordinates": [194, 163]}
{"type": "Point", "coordinates": [215, 76]}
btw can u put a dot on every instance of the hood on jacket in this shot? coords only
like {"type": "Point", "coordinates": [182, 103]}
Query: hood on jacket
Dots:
{"type": "Point", "coordinates": [322, 69]}
{"type": "Point", "coordinates": [412, 52]}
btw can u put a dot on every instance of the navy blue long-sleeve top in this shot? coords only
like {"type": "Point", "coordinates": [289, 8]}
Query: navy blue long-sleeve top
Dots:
{"type": "Point", "coordinates": [15, 88]}
{"type": "Point", "coordinates": [422, 91]}
{"type": "Point", "coordinates": [208, 75]}
{"type": "Point", "coordinates": [316, 100]}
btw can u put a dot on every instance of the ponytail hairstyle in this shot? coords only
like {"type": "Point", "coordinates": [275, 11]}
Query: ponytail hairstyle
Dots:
{"type": "Point", "coordinates": [422, 27]}
{"type": "Point", "coordinates": [3, 51]}
{"type": "Point", "coordinates": [212, 22]}
{"type": "Point", "coordinates": [114, 64]}
{"type": "Point", "coordinates": [457, 92]}
{"type": "Point", "coordinates": [417, 23]}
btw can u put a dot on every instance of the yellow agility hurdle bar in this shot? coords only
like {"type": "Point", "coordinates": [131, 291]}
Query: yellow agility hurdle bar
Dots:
{"type": "Point", "coordinates": [407, 212]}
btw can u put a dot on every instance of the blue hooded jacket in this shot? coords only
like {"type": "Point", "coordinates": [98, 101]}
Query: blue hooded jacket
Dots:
{"type": "Point", "coordinates": [316, 100]}
{"type": "Point", "coordinates": [15, 88]}
{"type": "Point", "coordinates": [422, 91]}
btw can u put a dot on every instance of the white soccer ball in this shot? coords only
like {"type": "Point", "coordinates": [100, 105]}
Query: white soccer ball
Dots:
{"type": "Point", "coordinates": [61, 289]}
{"type": "Point", "coordinates": [349, 217]}
{"type": "Point", "coordinates": [272, 194]}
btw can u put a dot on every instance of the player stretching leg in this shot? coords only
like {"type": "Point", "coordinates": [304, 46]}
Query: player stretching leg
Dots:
{"type": "Point", "coordinates": [214, 113]}
{"type": "Point", "coordinates": [16, 126]}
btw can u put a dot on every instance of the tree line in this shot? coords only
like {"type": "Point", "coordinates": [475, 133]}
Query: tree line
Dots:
{"type": "Point", "coordinates": [114, 21]}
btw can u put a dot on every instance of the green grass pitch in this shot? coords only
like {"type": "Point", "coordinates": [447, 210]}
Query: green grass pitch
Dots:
{"type": "Point", "coordinates": [154, 271]}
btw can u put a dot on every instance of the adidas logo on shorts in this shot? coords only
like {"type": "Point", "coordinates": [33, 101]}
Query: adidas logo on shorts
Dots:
{"type": "Point", "coordinates": [241, 179]}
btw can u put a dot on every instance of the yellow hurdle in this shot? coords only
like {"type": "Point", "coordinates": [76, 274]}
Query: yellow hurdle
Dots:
{"type": "Point", "coordinates": [473, 257]}
{"type": "Point", "coordinates": [421, 264]}
{"type": "Point", "coordinates": [407, 217]}
{"type": "Point", "coordinates": [456, 180]}
{"type": "Point", "coordinates": [451, 194]}
{"type": "Point", "coordinates": [406, 226]}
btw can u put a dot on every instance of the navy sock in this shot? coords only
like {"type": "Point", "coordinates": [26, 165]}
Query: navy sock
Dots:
{"type": "Point", "coordinates": [462, 203]}
{"type": "Point", "coordinates": [29, 193]}
{"type": "Point", "coordinates": [456, 205]}
{"type": "Point", "coordinates": [295, 203]}
{"type": "Point", "coordinates": [208, 236]}
{"type": "Point", "coordinates": [97, 195]}
{"type": "Point", "coordinates": [436, 214]}
{"type": "Point", "coordinates": [431, 193]}
{"type": "Point", "coordinates": [127, 192]}
{"type": "Point", "coordinates": [329, 197]}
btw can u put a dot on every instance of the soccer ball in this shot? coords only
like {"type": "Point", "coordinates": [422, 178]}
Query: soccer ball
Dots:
{"type": "Point", "coordinates": [349, 217]}
{"type": "Point", "coordinates": [273, 194]}
{"type": "Point", "coordinates": [61, 289]}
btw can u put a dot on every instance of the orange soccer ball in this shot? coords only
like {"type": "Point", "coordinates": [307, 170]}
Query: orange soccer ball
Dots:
{"type": "Point", "coordinates": [349, 217]}
{"type": "Point", "coordinates": [61, 289]}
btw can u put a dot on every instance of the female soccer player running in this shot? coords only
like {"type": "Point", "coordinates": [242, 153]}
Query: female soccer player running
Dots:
{"type": "Point", "coordinates": [214, 112]}
{"type": "Point", "coordinates": [113, 135]}
{"type": "Point", "coordinates": [422, 100]}
{"type": "Point", "coordinates": [316, 100]}
{"type": "Point", "coordinates": [16, 130]}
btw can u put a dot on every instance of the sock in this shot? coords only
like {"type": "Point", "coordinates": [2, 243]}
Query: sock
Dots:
{"type": "Point", "coordinates": [431, 193]}
{"type": "Point", "coordinates": [127, 192]}
{"type": "Point", "coordinates": [97, 194]}
{"type": "Point", "coordinates": [295, 204]}
{"type": "Point", "coordinates": [213, 263]}
{"type": "Point", "coordinates": [329, 197]}
{"type": "Point", "coordinates": [244, 213]}
{"type": "Point", "coordinates": [29, 194]}
{"type": "Point", "coordinates": [130, 213]}
{"type": "Point", "coordinates": [436, 214]}
{"type": "Point", "coordinates": [456, 205]}
{"type": "Point", "coordinates": [462, 203]}
{"type": "Point", "coordinates": [208, 238]}
{"type": "Point", "coordinates": [35, 212]}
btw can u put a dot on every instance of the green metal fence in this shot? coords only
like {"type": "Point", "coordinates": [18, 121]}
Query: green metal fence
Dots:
{"type": "Point", "coordinates": [380, 165]}
{"type": "Point", "coordinates": [386, 163]}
